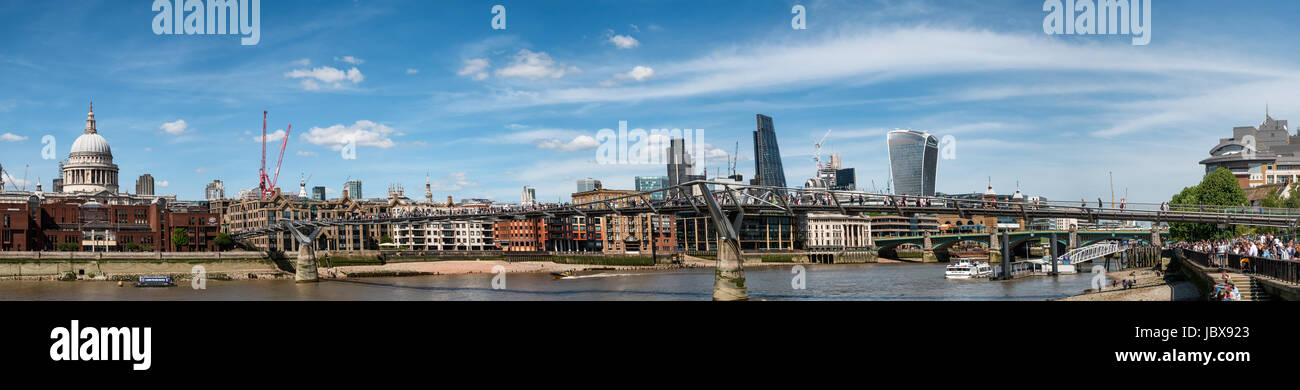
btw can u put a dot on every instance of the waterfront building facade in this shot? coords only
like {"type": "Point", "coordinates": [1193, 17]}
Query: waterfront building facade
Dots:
{"type": "Point", "coordinates": [837, 232]}
{"type": "Point", "coordinates": [758, 232]}
{"type": "Point", "coordinates": [627, 234]}
{"type": "Point", "coordinates": [1267, 154]}
{"type": "Point", "coordinates": [246, 214]}
{"type": "Point", "coordinates": [768, 170]}
{"type": "Point", "coordinates": [903, 226]}
{"type": "Point", "coordinates": [913, 161]}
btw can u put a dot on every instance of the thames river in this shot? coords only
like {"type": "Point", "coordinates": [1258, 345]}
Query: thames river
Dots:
{"type": "Point", "coordinates": [922, 282]}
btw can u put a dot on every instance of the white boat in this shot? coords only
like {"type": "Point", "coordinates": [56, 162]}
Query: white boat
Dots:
{"type": "Point", "coordinates": [966, 269]}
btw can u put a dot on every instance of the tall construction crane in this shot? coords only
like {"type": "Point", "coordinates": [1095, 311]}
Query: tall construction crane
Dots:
{"type": "Point", "coordinates": [818, 156]}
{"type": "Point", "coordinates": [266, 184]}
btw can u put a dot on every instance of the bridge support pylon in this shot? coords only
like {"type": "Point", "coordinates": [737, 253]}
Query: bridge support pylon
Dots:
{"type": "Point", "coordinates": [927, 250]}
{"type": "Point", "coordinates": [1074, 238]}
{"type": "Point", "coordinates": [1155, 235]}
{"type": "Point", "coordinates": [729, 278]}
{"type": "Point", "coordinates": [305, 268]}
{"type": "Point", "coordinates": [995, 248]}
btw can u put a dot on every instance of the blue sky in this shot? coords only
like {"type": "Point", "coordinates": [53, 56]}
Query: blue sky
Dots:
{"type": "Point", "coordinates": [484, 112]}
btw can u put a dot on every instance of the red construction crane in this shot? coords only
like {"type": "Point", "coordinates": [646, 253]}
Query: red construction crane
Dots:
{"type": "Point", "coordinates": [266, 184]}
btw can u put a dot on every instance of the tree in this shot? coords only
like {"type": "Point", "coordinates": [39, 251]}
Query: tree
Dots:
{"type": "Point", "coordinates": [67, 247]}
{"type": "Point", "coordinates": [180, 237]}
{"type": "Point", "coordinates": [131, 247]}
{"type": "Point", "coordinates": [224, 241]}
{"type": "Point", "coordinates": [385, 239]}
{"type": "Point", "coordinates": [1219, 188]}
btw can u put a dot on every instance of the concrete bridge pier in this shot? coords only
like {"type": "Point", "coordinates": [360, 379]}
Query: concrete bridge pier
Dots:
{"type": "Point", "coordinates": [729, 278]}
{"type": "Point", "coordinates": [1155, 236]}
{"type": "Point", "coordinates": [995, 248]}
{"type": "Point", "coordinates": [927, 250]}
{"type": "Point", "coordinates": [1054, 251]}
{"type": "Point", "coordinates": [1074, 238]}
{"type": "Point", "coordinates": [305, 268]}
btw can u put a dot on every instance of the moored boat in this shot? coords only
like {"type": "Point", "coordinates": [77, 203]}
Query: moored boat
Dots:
{"type": "Point", "coordinates": [966, 269]}
{"type": "Point", "coordinates": [154, 281]}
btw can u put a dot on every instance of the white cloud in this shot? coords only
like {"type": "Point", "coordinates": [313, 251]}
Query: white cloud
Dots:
{"type": "Point", "coordinates": [350, 59]}
{"type": "Point", "coordinates": [623, 41]}
{"type": "Point", "coordinates": [270, 137]}
{"type": "Point", "coordinates": [11, 137]}
{"type": "Point", "coordinates": [305, 153]}
{"type": "Point", "coordinates": [581, 142]}
{"type": "Point", "coordinates": [455, 181]}
{"type": "Point", "coordinates": [202, 170]}
{"type": "Point", "coordinates": [327, 75]}
{"type": "Point", "coordinates": [475, 68]}
{"type": "Point", "coordinates": [163, 183]}
{"type": "Point", "coordinates": [638, 73]}
{"type": "Point", "coordinates": [412, 71]}
{"type": "Point", "coordinates": [303, 62]}
{"type": "Point", "coordinates": [363, 132]}
{"type": "Point", "coordinates": [535, 65]}
{"type": "Point", "coordinates": [174, 128]}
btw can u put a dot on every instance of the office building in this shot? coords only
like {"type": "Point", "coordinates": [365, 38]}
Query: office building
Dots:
{"type": "Point", "coordinates": [318, 193]}
{"type": "Point", "coordinates": [1269, 154]}
{"type": "Point", "coordinates": [352, 189]}
{"type": "Point", "coordinates": [144, 185]}
{"type": "Point", "coordinates": [528, 196]}
{"type": "Point", "coordinates": [681, 165]}
{"type": "Point", "coordinates": [913, 161]}
{"type": "Point", "coordinates": [768, 170]}
{"type": "Point", "coordinates": [215, 190]}
{"type": "Point", "coordinates": [651, 183]}
{"type": "Point", "coordinates": [588, 184]}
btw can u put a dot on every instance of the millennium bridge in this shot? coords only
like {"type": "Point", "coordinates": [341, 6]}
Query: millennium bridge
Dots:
{"type": "Point", "coordinates": [719, 201]}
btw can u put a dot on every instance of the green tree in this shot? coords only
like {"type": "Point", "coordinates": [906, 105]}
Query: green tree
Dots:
{"type": "Point", "coordinates": [224, 241]}
{"type": "Point", "coordinates": [67, 247]}
{"type": "Point", "coordinates": [180, 237]}
{"type": "Point", "coordinates": [131, 247]}
{"type": "Point", "coordinates": [385, 239]}
{"type": "Point", "coordinates": [1219, 188]}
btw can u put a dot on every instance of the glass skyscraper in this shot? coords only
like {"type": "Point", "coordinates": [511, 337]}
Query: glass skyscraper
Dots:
{"type": "Point", "coordinates": [680, 163]}
{"type": "Point", "coordinates": [913, 161]}
{"type": "Point", "coordinates": [767, 156]}
{"type": "Point", "coordinates": [354, 189]}
{"type": "Point", "coordinates": [651, 183]}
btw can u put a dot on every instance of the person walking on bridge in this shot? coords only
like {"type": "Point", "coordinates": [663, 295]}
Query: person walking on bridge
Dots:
{"type": "Point", "coordinates": [1099, 205]}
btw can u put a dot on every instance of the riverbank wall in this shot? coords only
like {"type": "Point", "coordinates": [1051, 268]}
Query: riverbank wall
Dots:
{"type": "Point", "coordinates": [125, 265]}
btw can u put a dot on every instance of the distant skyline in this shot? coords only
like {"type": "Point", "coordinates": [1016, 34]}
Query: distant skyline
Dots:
{"type": "Point", "coordinates": [429, 88]}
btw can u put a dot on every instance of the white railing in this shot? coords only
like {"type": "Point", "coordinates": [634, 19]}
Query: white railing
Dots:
{"type": "Point", "coordinates": [1090, 252]}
